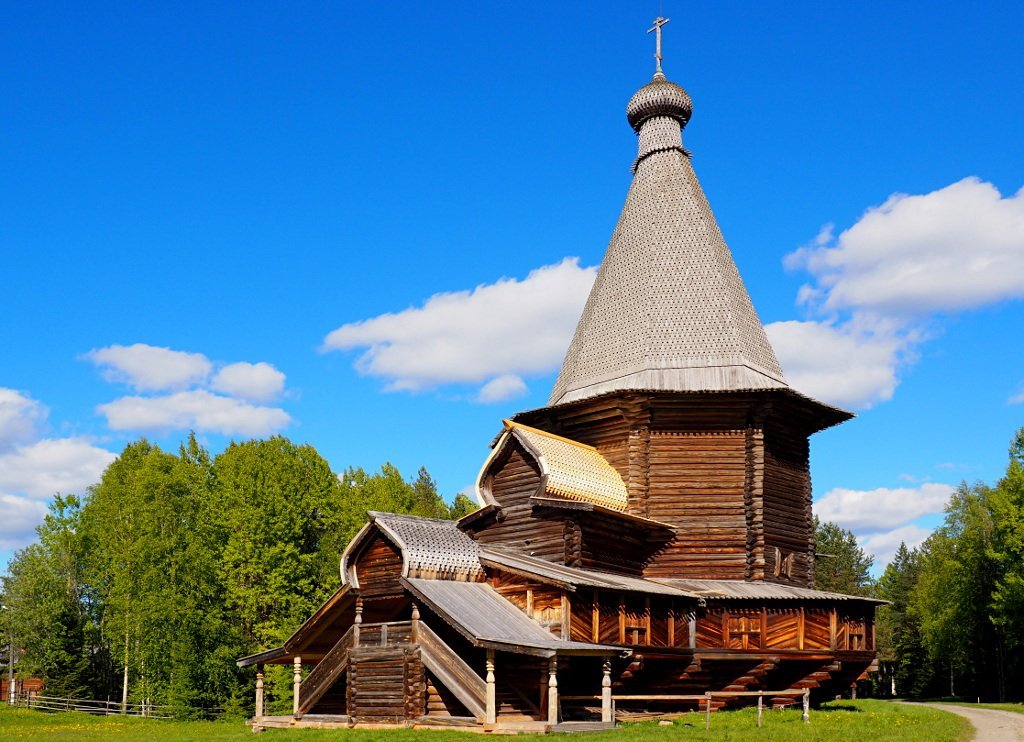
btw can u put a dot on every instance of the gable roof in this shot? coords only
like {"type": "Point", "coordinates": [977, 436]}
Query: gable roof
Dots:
{"type": "Point", "coordinates": [668, 310]}
{"type": "Point", "coordinates": [570, 470]}
{"type": "Point", "coordinates": [430, 547]}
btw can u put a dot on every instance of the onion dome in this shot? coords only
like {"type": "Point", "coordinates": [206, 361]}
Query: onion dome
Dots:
{"type": "Point", "coordinates": [659, 97]}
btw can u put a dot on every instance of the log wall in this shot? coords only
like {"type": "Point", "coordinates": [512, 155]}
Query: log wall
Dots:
{"type": "Point", "coordinates": [513, 479]}
{"type": "Point", "coordinates": [379, 568]}
{"type": "Point", "coordinates": [696, 485]}
{"type": "Point", "coordinates": [730, 472]}
{"type": "Point", "coordinates": [788, 523]}
{"type": "Point", "coordinates": [386, 685]}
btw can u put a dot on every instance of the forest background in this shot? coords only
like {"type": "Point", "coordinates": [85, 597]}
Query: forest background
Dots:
{"type": "Point", "coordinates": [152, 584]}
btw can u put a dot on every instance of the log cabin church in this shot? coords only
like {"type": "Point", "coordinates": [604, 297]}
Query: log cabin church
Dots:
{"type": "Point", "coordinates": [645, 542]}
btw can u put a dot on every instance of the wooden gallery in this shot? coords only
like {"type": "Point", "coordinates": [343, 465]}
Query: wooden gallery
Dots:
{"type": "Point", "coordinates": [644, 540]}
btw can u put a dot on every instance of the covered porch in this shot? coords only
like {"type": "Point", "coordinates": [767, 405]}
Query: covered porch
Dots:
{"type": "Point", "coordinates": [465, 658]}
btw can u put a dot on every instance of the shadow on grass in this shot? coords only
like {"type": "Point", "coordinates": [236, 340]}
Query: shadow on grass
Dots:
{"type": "Point", "coordinates": [838, 707]}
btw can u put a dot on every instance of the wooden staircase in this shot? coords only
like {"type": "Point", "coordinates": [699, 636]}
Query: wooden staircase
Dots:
{"type": "Point", "coordinates": [453, 672]}
{"type": "Point", "coordinates": [324, 675]}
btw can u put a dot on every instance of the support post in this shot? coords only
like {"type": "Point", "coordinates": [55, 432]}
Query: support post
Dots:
{"type": "Point", "coordinates": [358, 622]}
{"type": "Point", "coordinates": [296, 684]}
{"type": "Point", "coordinates": [707, 712]}
{"type": "Point", "coordinates": [553, 691]}
{"type": "Point", "coordinates": [492, 696]}
{"type": "Point", "coordinates": [259, 702]}
{"type": "Point", "coordinates": [415, 624]}
{"type": "Point", "coordinates": [760, 707]}
{"type": "Point", "coordinates": [807, 705]}
{"type": "Point", "coordinates": [607, 714]}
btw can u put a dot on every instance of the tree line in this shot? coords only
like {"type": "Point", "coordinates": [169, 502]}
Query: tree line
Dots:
{"type": "Point", "coordinates": [955, 622]}
{"type": "Point", "coordinates": [148, 587]}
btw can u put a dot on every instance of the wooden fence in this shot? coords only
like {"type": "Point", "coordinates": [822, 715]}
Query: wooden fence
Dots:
{"type": "Point", "coordinates": [101, 708]}
{"type": "Point", "coordinates": [707, 697]}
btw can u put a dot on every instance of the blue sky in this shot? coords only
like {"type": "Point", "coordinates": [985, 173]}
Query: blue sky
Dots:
{"type": "Point", "coordinates": [205, 210]}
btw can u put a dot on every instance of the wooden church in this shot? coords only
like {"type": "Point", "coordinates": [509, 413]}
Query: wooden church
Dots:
{"type": "Point", "coordinates": [645, 541]}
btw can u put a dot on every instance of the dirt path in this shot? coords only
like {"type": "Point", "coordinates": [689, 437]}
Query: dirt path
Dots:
{"type": "Point", "coordinates": [989, 725]}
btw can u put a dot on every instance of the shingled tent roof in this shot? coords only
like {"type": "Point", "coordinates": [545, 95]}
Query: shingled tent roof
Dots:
{"type": "Point", "coordinates": [668, 311]}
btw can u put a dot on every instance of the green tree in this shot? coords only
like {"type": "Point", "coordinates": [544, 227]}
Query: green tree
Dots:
{"type": "Point", "coordinates": [840, 565]}
{"type": "Point", "coordinates": [462, 506]}
{"type": "Point", "coordinates": [906, 669]}
{"type": "Point", "coordinates": [42, 595]}
{"type": "Point", "coordinates": [151, 557]}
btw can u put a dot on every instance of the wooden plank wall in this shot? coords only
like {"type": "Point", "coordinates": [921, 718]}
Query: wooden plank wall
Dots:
{"type": "Point", "coordinates": [513, 479]}
{"type": "Point", "coordinates": [629, 619]}
{"type": "Point", "coordinates": [379, 568]}
{"type": "Point", "coordinates": [540, 602]}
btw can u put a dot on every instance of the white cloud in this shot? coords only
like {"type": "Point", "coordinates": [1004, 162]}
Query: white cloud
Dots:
{"type": "Point", "coordinates": [883, 508]}
{"type": "Point", "coordinates": [45, 467]}
{"type": "Point", "coordinates": [1017, 398]}
{"type": "Point", "coordinates": [883, 545]}
{"type": "Point", "coordinates": [32, 470]}
{"type": "Point", "coordinates": [507, 386]}
{"type": "Point", "coordinates": [259, 382]}
{"type": "Point", "coordinates": [879, 283]}
{"type": "Point", "coordinates": [836, 363]}
{"type": "Point", "coordinates": [197, 409]}
{"type": "Point", "coordinates": [510, 327]}
{"type": "Point", "coordinates": [190, 377]}
{"type": "Point", "coordinates": [21, 515]}
{"type": "Point", "coordinates": [20, 418]}
{"type": "Point", "coordinates": [955, 248]}
{"type": "Point", "coordinates": [150, 368]}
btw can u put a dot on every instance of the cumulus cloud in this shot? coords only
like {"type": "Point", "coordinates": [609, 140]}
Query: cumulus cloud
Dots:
{"type": "Point", "coordinates": [20, 418]}
{"type": "Point", "coordinates": [883, 545]}
{"type": "Point", "coordinates": [52, 465]}
{"type": "Point", "coordinates": [883, 508]}
{"type": "Point", "coordinates": [197, 409]}
{"type": "Point", "coordinates": [259, 382]}
{"type": "Point", "coordinates": [33, 470]}
{"type": "Point", "coordinates": [503, 329]}
{"type": "Point", "coordinates": [189, 382]}
{"type": "Point", "coordinates": [955, 248]}
{"type": "Point", "coordinates": [878, 285]}
{"type": "Point", "coordinates": [501, 388]}
{"type": "Point", "coordinates": [150, 368]}
{"type": "Point", "coordinates": [837, 362]}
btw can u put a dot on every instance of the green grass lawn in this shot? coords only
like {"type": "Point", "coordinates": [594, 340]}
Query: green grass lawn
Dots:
{"type": "Point", "coordinates": [860, 720]}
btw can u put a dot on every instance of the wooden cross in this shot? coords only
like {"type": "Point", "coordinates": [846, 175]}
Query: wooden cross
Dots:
{"type": "Point", "coordinates": [658, 23]}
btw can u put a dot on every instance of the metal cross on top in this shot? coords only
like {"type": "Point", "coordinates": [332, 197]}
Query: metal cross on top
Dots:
{"type": "Point", "coordinates": [658, 23]}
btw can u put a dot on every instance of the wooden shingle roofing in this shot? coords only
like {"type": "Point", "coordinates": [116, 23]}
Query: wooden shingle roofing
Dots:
{"type": "Point", "coordinates": [430, 548]}
{"type": "Point", "coordinates": [571, 470]}
{"type": "Point", "coordinates": [668, 310]}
